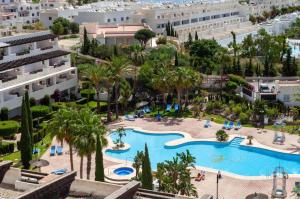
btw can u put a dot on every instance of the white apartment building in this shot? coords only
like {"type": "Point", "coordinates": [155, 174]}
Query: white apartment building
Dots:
{"type": "Point", "coordinates": [33, 62]}
{"type": "Point", "coordinates": [285, 90]}
{"type": "Point", "coordinates": [13, 12]}
{"type": "Point", "coordinates": [257, 7]}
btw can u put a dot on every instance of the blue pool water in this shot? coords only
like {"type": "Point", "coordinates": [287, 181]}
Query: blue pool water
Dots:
{"type": "Point", "coordinates": [123, 171]}
{"type": "Point", "coordinates": [295, 50]}
{"type": "Point", "coordinates": [230, 157]}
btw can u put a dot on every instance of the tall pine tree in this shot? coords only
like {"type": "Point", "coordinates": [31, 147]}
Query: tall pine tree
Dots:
{"type": "Point", "coordinates": [25, 141]}
{"type": "Point", "coordinates": [190, 39]}
{"type": "Point", "coordinates": [249, 69]}
{"type": "Point", "coordinates": [176, 59]}
{"type": "Point", "coordinates": [146, 171]}
{"type": "Point", "coordinates": [99, 170]}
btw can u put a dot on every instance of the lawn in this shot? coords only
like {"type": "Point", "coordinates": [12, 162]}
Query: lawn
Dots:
{"type": "Point", "coordinates": [42, 145]}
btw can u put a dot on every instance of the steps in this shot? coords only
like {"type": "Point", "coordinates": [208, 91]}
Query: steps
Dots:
{"type": "Point", "coordinates": [143, 193]}
{"type": "Point", "coordinates": [236, 142]}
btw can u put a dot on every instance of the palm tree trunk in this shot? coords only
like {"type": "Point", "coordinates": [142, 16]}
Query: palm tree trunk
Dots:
{"type": "Point", "coordinates": [88, 166]}
{"type": "Point", "coordinates": [116, 99]}
{"type": "Point", "coordinates": [71, 156]}
{"type": "Point", "coordinates": [98, 102]}
{"type": "Point", "coordinates": [81, 166]}
{"type": "Point", "coordinates": [179, 98]}
{"type": "Point", "coordinates": [108, 106]}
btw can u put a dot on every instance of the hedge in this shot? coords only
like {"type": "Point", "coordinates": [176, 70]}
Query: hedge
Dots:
{"type": "Point", "coordinates": [88, 93]}
{"type": "Point", "coordinates": [9, 127]}
{"type": "Point", "coordinates": [40, 111]}
{"type": "Point", "coordinates": [58, 105]}
{"type": "Point", "coordinates": [4, 114]}
{"type": "Point", "coordinates": [7, 148]}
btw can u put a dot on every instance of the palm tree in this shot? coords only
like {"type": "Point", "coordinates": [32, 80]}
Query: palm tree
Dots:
{"type": "Point", "coordinates": [250, 138]}
{"type": "Point", "coordinates": [117, 68]}
{"type": "Point", "coordinates": [138, 160]}
{"type": "Point", "coordinates": [125, 92]}
{"type": "Point", "coordinates": [88, 125]}
{"type": "Point", "coordinates": [62, 126]}
{"type": "Point", "coordinates": [96, 74]}
{"type": "Point", "coordinates": [121, 133]}
{"type": "Point", "coordinates": [162, 81]}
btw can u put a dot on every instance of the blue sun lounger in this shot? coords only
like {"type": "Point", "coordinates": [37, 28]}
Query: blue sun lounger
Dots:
{"type": "Point", "coordinates": [297, 188]}
{"type": "Point", "coordinates": [59, 150]}
{"type": "Point", "coordinates": [129, 117]}
{"type": "Point", "coordinates": [225, 125]}
{"type": "Point", "coordinates": [59, 171]}
{"type": "Point", "coordinates": [238, 126]}
{"type": "Point", "coordinates": [230, 125]}
{"type": "Point", "coordinates": [207, 124]}
{"type": "Point", "coordinates": [146, 109]}
{"type": "Point", "coordinates": [176, 107]}
{"type": "Point", "coordinates": [52, 150]}
{"type": "Point", "coordinates": [158, 117]}
{"type": "Point", "coordinates": [168, 109]}
{"type": "Point", "coordinates": [36, 151]}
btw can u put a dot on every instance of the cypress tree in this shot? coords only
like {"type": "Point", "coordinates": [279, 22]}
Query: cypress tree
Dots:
{"type": "Point", "coordinates": [25, 141]}
{"type": "Point", "coordinates": [287, 64]}
{"type": "Point", "coordinates": [86, 43]}
{"type": "Point", "coordinates": [146, 171]}
{"type": "Point", "coordinates": [190, 40]}
{"type": "Point", "coordinates": [266, 67]}
{"type": "Point", "coordinates": [172, 32]}
{"type": "Point", "coordinates": [257, 70]}
{"type": "Point", "coordinates": [29, 116]}
{"type": "Point", "coordinates": [176, 59]}
{"type": "Point", "coordinates": [196, 36]}
{"type": "Point", "coordinates": [99, 170]}
{"type": "Point", "coordinates": [249, 69]}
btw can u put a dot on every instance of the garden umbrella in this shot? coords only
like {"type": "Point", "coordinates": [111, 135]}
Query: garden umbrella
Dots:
{"type": "Point", "coordinates": [39, 163]}
{"type": "Point", "coordinates": [141, 104]}
{"type": "Point", "coordinates": [257, 196]}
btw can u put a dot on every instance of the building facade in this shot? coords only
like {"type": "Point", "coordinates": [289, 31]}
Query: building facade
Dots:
{"type": "Point", "coordinates": [35, 63]}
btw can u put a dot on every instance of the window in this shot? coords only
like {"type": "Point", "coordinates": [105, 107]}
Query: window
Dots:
{"type": "Point", "coordinates": [194, 20]}
{"type": "Point", "coordinates": [108, 20]}
{"type": "Point", "coordinates": [50, 18]}
{"type": "Point", "coordinates": [127, 18]}
{"type": "Point", "coordinates": [185, 21]}
{"type": "Point", "coordinates": [32, 14]}
{"type": "Point", "coordinates": [115, 19]}
{"type": "Point", "coordinates": [158, 17]}
{"type": "Point", "coordinates": [176, 23]}
{"type": "Point", "coordinates": [122, 18]}
{"type": "Point", "coordinates": [38, 14]}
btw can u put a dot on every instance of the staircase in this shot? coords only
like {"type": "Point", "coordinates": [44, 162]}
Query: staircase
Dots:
{"type": "Point", "coordinates": [236, 142]}
{"type": "Point", "coordinates": [147, 194]}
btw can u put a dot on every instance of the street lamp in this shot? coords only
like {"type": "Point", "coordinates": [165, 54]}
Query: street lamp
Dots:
{"type": "Point", "coordinates": [219, 177]}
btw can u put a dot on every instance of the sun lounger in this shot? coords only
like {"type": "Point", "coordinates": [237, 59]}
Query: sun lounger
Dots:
{"type": "Point", "coordinates": [279, 138]}
{"type": "Point", "coordinates": [238, 126]}
{"type": "Point", "coordinates": [230, 125]}
{"type": "Point", "coordinates": [176, 107]}
{"type": "Point", "coordinates": [225, 124]}
{"type": "Point", "coordinates": [35, 151]}
{"type": "Point", "coordinates": [129, 117]}
{"type": "Point", "coordinates": [146, 109]}
{"type": "Point", "coordinates": [168, 109]}
{"type": "Point", "coordinates": [207, 124]}
{"type": "Point", "coordinates": [59, 171]}
{"type": "Point", "coordinates": [59, 150]}
{"type": "Point", "coordinates": [52, 150]}
{"type": "Point", "coordinates": [296, 189]}
{"type": "Point", "coordinates": [158, 117]}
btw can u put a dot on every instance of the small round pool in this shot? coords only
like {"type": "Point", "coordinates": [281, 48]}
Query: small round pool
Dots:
{"type": "Point", "coordinates": [123, 171]}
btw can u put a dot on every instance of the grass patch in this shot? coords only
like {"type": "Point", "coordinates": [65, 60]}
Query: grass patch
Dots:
{"type": "Point", "coordinates": [42, 145]}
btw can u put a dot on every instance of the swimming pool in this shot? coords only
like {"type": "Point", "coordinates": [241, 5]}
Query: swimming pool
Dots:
{"type": "Point", "coordinates": [123, 171]}
{"type": "Point", "coordinates": [229, 157]}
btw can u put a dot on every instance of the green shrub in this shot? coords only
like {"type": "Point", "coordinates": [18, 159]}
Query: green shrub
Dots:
{"type": "Point", "coordinates": [221, 135]}
{"type": "Point", "coordinates": [237, 79]}
{"type": "Point", "coordinates": [32, 101]}
{"type": "Point", "coordinates": [40, 111]}
{"type": "Point", "coordinates": [46, 100]}
{"type": "Point", "coordinates": [9, 128]}
{"type": "Point", "coordinates": [244, 118]}
{"type": "Point", "coordinates": [57, 105]}
{"type": "Point", "coordinates": [4, 114]}
{"type": "Point", "coordinates": [6, 148]}
{"type": "Point", "coordinates": [88, 93]}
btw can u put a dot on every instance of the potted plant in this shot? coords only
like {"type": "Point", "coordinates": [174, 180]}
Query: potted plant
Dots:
{"type": "Point", "coordinates": [221, 135]}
